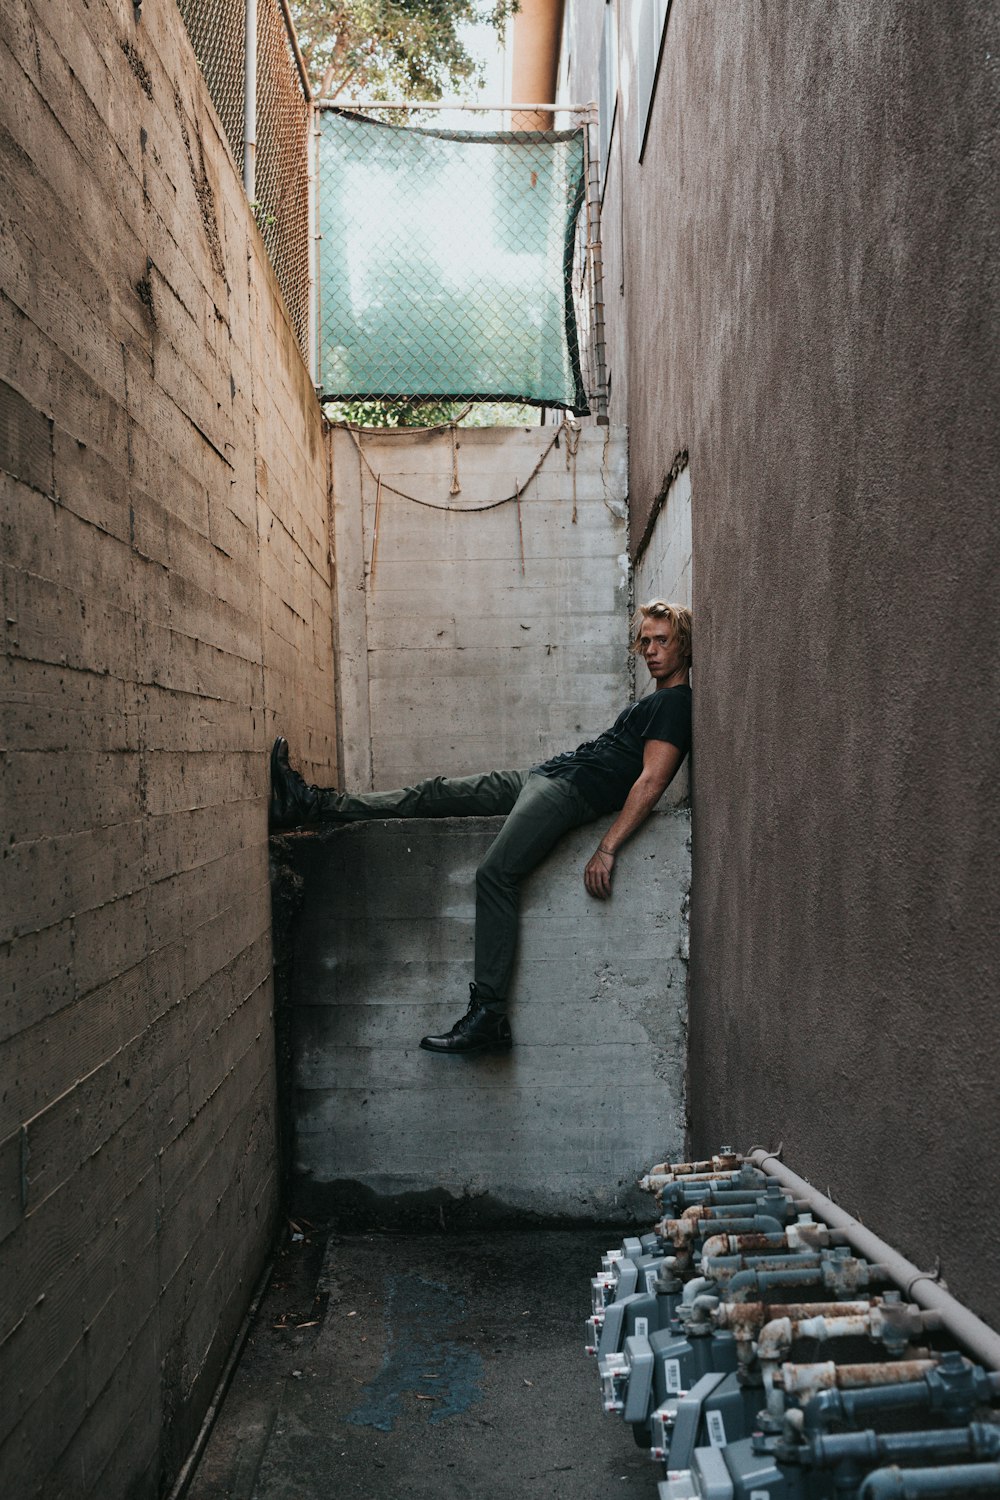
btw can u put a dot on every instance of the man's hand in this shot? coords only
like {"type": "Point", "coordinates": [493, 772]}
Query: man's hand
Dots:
{"type": "Point", "coordinates": [597, 875]}
{"type": "Point", "coordinates": [660, 760]}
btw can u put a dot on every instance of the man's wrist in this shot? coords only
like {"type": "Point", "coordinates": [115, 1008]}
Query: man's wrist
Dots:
{"type": "Point", "coordinates": [601, 849]}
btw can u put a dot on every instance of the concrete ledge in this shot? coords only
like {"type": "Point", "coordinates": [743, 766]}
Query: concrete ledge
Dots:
{"type": "Point", "coordinates": [381, 953]}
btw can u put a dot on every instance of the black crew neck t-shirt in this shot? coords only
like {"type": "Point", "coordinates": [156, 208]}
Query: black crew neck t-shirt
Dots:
{"type": "Point", "coordinates": [604, 770]}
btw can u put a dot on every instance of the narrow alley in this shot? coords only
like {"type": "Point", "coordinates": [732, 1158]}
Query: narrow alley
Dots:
{"type": "Point", "coordinates": [386, 1366]}
{"type": "Point", "coordinates": [331, 424]}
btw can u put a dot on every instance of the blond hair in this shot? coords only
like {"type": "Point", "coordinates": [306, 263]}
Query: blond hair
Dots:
{"type": "Point", "coordinates": [677, 615]}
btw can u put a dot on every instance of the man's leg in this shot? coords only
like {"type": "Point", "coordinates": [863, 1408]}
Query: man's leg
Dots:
{"type": "Point", "coordinates": [488, 795]}
{"type": "Point", "coordinates": [544, 811]}
{"type": "Point", "coordinates": [295, 802]}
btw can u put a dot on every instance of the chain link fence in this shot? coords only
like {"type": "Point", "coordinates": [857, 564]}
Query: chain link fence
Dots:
{"type": "Point", "coordinates": [283, 120]}
{"type": "Point", "coordinates": [446, 263]}
{"type": "Point", "coordinates": [280, 168]}
{"type": "Point", "coordinates": [217, 29]}
{"type": "Point", "coordinates": [453, 265]}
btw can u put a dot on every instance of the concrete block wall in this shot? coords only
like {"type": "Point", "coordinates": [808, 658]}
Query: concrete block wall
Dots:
{"type": "Point", "coordinates": [480, 637]}
{"type": "Point", "coordinates": [563, 1125]}
{"type": "Point", "coordinates": [663, 570]}
{"type": "Point", "coordinates": [166, 600]}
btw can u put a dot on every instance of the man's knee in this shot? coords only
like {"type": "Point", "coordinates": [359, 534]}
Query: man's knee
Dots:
{"type": "Point", "coordinates": [490, 875]}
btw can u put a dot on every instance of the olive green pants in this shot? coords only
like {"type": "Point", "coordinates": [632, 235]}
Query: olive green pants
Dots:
{"type": "Point", "coordinates": [538, 811]}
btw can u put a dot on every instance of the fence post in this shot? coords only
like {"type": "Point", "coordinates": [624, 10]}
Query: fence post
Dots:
{"type": "Point", "coordinates": [250, 102]}
{"type": "Point", "coordinates": [596, 256]}
{"type": "Point", "coordinates": [314, 239]}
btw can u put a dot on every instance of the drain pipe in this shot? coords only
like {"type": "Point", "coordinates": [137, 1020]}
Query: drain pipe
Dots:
{"type": "Point", "coordinates": [976, 1336]}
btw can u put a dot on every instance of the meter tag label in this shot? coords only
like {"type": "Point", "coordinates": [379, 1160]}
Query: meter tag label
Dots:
{"type": "Point", "coordinates": [716, 1429]}
{"type": "Point", "coordinates": [672, 1369]}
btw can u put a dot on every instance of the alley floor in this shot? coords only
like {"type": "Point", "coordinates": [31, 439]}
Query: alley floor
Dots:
{"type": "Point", "coordinates": [452, 1366]}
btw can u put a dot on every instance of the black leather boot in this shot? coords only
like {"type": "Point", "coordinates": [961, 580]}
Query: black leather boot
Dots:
{"type": "Point", "coordinates": [293, 800]}
{"type": "Point", "coordinates": [479, 1030]}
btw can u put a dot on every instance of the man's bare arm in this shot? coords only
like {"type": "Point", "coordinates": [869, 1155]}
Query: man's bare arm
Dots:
{"type": "Point", "coordinates": [660, 764]}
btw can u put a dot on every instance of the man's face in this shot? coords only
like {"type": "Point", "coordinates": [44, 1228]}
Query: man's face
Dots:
{"type": "Point", "coordinates": [659, 650]}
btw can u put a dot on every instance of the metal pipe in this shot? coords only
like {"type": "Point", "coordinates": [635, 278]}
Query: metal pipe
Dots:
{"type": "Point", "coordinates": [250, 102]}
{"type": "Point", "coordinates": [728, 1197]}
{"type": "Point", "coordinates": [915, 1484]}
{"type": "Point", "coordinates": [656, 1182]}
{"type": "Point", "coordinates": [851, 1408]}
{"type": "Point", "coordinates": [811, 1382]}
{"type": "Point", "coordinates": [796, 1239]}
{"type": "Point", "coordinates": [979, 1440]}
{"type": "Point", "coordinates": [726, 1163]}
{"type": "Point", "coordinates": [294, 41]}
{"type": "Point", "coordinates": [949, 1384]}
{"type": "Point", "coordinates": [506, 109]}
{"type": "Point", "coordinates": [774, 1340]}
{"type": "Point", "coordinates": [723, 1269]}
{"type": "Point", "coordinates": [314, 238]}
{"type": "Point", "coordinates": [595, 255]}
{"type": "Point", "coordinates": [976, 1336]}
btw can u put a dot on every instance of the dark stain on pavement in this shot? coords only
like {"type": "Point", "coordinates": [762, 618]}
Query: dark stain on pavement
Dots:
{"type": "Point", "coordinates": [420, 1357]}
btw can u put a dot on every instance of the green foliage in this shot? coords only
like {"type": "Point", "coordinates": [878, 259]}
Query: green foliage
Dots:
{"type": "Point", "coordinates": [415, 413]}
{"type": "Point", "coordinates": [399, 413]}
{"type": "Point", "coordinates": [392, 48]}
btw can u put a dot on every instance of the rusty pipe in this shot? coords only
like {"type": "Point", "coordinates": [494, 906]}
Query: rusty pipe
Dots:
{"type": "Point", "coordinates": [682, 1232]}
{"type": "Point", "coordinates": [724, 1269]}
{"type": "Point", "coordinates": [749, 1317]}
{"type": "Point", "coordinates": [808, 1380]}
{"type": "Point", "coordinates": [797, 1237]}
{"type": "Point", "coordinates": [923, 1287]}
{"type": "Point", "coordinates": [726, 1163]}
{"type": "Point", "coordinates": [874, 1320]}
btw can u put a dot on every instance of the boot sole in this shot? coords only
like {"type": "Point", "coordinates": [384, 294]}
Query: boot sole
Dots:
{"type": "Point", "coordinates": [467, 1051]}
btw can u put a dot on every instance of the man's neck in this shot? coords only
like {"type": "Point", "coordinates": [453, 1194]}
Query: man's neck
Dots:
{"type": "Point", "coordinates": [681, 678]}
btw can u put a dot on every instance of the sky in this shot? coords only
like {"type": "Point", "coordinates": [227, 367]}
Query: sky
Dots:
{"type": "Point", "coordinates": [481, 41]}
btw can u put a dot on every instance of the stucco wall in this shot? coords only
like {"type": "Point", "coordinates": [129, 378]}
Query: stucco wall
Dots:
{"type": "Point", "coordinates": [803, 286]}
{"type": "Point", "coordinates": [166, 591]}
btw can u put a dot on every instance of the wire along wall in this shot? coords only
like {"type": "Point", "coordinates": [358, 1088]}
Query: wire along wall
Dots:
{"type": "Point", "coordinates": [446, 263]}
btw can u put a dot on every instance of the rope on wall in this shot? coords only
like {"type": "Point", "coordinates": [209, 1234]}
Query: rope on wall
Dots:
{"type": "Point", "coordinates": [567, 426]}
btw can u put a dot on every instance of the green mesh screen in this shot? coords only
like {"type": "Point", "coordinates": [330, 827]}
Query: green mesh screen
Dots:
{"type": "Point", "coordinates": [445, 263]}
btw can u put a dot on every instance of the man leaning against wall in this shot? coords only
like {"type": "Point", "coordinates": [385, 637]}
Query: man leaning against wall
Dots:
{"type": "Point", "coordinates": [624, 771]}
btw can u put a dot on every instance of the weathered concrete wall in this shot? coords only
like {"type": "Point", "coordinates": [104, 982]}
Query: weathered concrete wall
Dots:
{"type": "Point", "coordinates": [472, 636]}
{"type": "Point", "coordinates": [663, 570]}
{"type": "Point", "coordinates": [561, 1126]}
{"type": "Point", "coordinates": [166, 594]}
{"type": "Point", "coordinates": [807, 257]}
{"type": "Point", "coordinates": [480, 638]}
{"type": "Point", "coordinates": [664, 564]}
